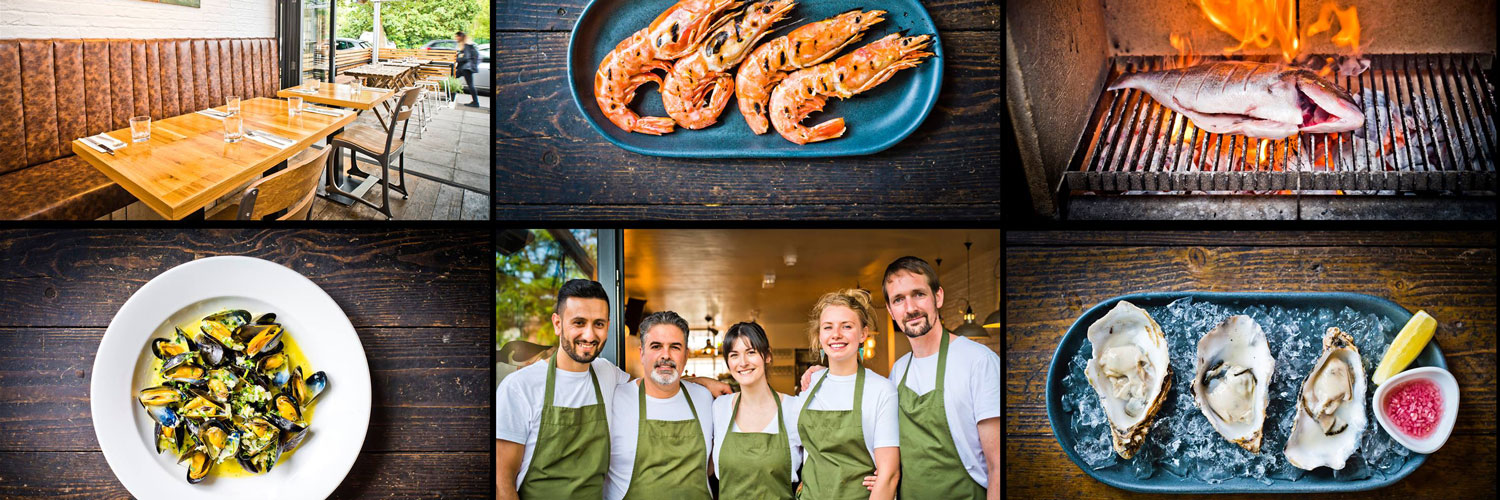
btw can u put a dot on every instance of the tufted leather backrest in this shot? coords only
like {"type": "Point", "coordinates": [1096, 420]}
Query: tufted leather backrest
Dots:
{"type": "Point", "coordinates": [55, 90]}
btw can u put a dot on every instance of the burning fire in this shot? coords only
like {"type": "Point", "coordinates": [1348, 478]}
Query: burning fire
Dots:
{"type": "Point", "coordinates": [1260, 23]}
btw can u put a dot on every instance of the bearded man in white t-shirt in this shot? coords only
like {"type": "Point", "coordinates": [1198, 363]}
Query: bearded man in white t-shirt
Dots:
{"type": "Point", "coordinates": [552, 418]}
{"type": "Point", "coordinates": [949, 391]}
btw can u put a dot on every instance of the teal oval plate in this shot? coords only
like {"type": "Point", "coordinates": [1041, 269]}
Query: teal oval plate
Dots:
{"type": "Point", "coordinates": [876, 120]}
{"type": "Point", "coordinates": [1318, 481]}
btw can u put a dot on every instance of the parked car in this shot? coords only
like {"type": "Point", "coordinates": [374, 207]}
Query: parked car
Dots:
{"type": "Point", "coordinates": [444, 43]}
{"type": "Point", "coordinates": [350, 43]}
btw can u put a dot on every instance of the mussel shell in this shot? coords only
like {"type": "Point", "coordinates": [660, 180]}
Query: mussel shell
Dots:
{"type": "Point", "coordinates": [293, 441]}
{"type": "Point", "coordinates": [198, 465]}
{"type": "Point", "coordinates": [218, 331]}
{"type": "Point", "coordinates": [285, 425]}
{"type": "Point", "coordinates": [213, 353]}
{"type": "Point", "coordinates": [316, 383]}
{"type": "Point", "coordinates": [164, 415]}
{"type": "Point", "coordinates": [266, 319]}
{"type": "Point", "coordinates": [201, 406]}
{"type": "Point", "coordinates": [297, 386]}
{"type": "Point", "coordinates": [218, 440]}
{"type": "Point", "coordinates": [277, 368]}
{"type": "Point", "coordinates": [267, 459]}
{"type": "Point", "coordinates": [159, 396]}
{"type": "Point", "coordinates": [171, 437]}
{"type": "Point", "coordinates": [188, 373]}
{"type": "Point", "coordinates": [217, 389]}
{"type": "Point", "coordinates": [247, 464]}
{"type": "Point", "coordinates": [231, 318]}
{"type": "Point", "coordinates": [165, 349]}
{"type": "Point", "coordinates": [258, 338]}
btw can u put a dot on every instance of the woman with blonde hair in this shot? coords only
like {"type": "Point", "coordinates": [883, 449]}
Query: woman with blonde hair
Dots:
{"type": "Point", "coordinates": [849, 421]}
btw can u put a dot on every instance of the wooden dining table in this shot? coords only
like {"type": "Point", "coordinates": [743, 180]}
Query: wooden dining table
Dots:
{"type": "Point", "coordinates": [383, 74]}
{"type": "Point", "coordinates": [344, 96]}
{"type": "Point", "coordinates": [186, 164]}
{"type": "Point", "coordinates": [1052, 278]}
{"type": "Point", "coordinates": [419, 299]}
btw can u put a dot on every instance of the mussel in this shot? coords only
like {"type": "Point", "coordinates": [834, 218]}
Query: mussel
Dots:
{"type": "Point", "coordinates": [164, 415]}
{"type": "Point", "coordinates": [183, 368]}
{"type": "Point", "coordinates": [288, 408]}
{"type": "Point", "coordinates": [167, 438]}
{"type": "Point", "coordinates": [293, 441]}
{"type": "Point", "coordinates": [219, 385]}
{"type": "Point", "coordinates": [212, 352]}
{"type": "Point", "coordinates": [159, 396]}
{"type": "Point", "coordinates": [198, 465]}
{"type": "Point", "coordinates": [258, 338]}
{"type": "Point", "coordinates": [276, 367]}
{"type": "Point", "coordinates": [230, 318]}
{"type": "Point", "coordinates": [266, 319]}
{"type": "Point", "coordinates": [168, 348]}
{"type": "Point", "coordinates": [307, 390]}
{"type": "Point", "coordinates": [218, 440]}
{"type": "Point", "coordinates": [201, 406]}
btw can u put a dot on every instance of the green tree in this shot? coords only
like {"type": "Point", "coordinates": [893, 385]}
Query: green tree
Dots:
{"type": "Point", "coordinates": [411, 23]}
{"type": "Point", "coordinates": [526, 285]}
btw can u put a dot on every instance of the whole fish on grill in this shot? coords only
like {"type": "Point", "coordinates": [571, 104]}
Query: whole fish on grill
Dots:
{"type": "Point", "coordinates": [1270, 101]}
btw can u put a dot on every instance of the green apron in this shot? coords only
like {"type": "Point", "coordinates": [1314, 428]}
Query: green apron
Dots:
{"type": "Point", "coordinates": [756, 465]}
{"type": "Point", "coordinates": [670, 459]}
{"type": "Point", "coordinates": [837, 460]}
{"type": "Point", "coordinates": [927, 449]}
{"type": "Point", "coordinates": [572, 447]}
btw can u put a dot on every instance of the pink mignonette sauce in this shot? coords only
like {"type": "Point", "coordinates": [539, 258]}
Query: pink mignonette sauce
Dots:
{"type": "Point", "coordinates": [1415, 407]}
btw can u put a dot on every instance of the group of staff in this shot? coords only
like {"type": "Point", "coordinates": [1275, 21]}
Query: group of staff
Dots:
{"type": "Point", "coordinates": [578, 427]}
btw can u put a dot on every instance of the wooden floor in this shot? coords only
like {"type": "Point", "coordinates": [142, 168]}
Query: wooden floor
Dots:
{"type": "Point", "coordinates": [429, 200]}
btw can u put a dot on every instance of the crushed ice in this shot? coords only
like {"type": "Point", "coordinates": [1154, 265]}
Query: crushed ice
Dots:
{"type": "Point", "coordinates": [1181, 442]}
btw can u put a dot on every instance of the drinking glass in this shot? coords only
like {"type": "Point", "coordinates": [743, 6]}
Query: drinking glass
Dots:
{"type": "Point", "coordinates": [234, 128]}
{"type": "Point", "coordinates": [233, 105]}
{"type": "Point", "coordinates": [357, 85]}
{"type": "Point", "coordinates": [293, 106]}
{"type": "Point", "coordinates": [140, 128]}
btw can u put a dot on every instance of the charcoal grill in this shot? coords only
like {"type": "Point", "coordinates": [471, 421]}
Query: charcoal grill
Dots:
{"type": "Point", "coordinates": [1428, 127]}
{"type": "Point", "coordinates": [1426, 151]}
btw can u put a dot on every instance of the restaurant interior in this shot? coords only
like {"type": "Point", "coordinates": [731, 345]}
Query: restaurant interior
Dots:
{"type": "Point", "coordinates": [716, 278]}
{"type": "Point", "coordinates": [236, 110]}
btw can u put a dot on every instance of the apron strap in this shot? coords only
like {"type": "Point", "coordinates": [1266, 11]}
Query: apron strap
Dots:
{"type": "Point", "coordinates": [681, 388]}
{"type": "Point", "coordinates": [859, 389]}
{"type": "Point", "coordinates": [780, 418]}
{"type": "Point", "coordinates": [552, 382]}
{"type": "Point", "coordinates": [942, 364]}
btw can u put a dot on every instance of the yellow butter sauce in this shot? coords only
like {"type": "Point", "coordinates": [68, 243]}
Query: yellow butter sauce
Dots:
{"type": "Point", "coordinates": [230, 467]}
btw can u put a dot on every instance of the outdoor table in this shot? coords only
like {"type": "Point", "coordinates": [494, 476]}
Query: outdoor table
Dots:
{"type": "Point", "coordinates": [383, 75]}
{"type": "Point", "coordinates": [186, 164]}
{"type": "Point", "coordinates": [335, 94]}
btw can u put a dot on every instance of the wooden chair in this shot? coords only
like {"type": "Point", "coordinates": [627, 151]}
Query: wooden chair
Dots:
{"type": "Point", "coordinates": [383, 146]}
{"type": "Point", "coordinates": [291, 190]}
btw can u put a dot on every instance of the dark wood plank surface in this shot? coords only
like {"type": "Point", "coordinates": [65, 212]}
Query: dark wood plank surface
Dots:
{"type": "Point", "coordinates": [549, 163]}
{"type": "Point", "coordinates": [419, 300]}
{"type": "Point", "coordinates": [1052, 278]}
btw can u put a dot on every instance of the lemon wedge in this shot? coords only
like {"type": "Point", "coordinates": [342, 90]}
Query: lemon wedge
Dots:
{"type": "Point", "coordinates": [1413, 337]}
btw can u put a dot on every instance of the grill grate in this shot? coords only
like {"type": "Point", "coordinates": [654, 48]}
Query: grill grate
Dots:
{"type": "Point", "coordinates": [1429, 126]}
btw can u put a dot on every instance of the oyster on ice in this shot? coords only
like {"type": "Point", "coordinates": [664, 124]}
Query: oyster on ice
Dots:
{"type": "Point", "coordinates": [1130, 372]}
{"type": "Point", "coordinates": [1233, 372]}
{"type": "Point", "coordinates": [1331, 407]}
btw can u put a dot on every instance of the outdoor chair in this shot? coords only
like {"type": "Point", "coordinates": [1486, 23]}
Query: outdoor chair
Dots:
{"type": "Point", "coordinates": [383, 146]}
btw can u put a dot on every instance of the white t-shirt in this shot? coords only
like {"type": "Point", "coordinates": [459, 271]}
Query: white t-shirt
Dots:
{"type": "Point", "coordinates": [625, 428]}
{"type": "Point", "coordinates": [518, 400]}
{"type": "Point", "coordinates": [971, 392]}
{"type": "Point", "coordinates": [724, 409]}
{"type": "Point", "coordinates": [879, 415]}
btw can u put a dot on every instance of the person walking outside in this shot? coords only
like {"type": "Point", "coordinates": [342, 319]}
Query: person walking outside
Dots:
{"type": "Point", "coordinates": [468, 64]}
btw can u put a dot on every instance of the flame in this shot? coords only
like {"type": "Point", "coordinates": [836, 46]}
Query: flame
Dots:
{"type": "Point", "coordinates": [1256, 22]}
{"type": "Point", "coordinates": [1185, 54]}
{"type": "Point", "coordinates": [1260, 23]}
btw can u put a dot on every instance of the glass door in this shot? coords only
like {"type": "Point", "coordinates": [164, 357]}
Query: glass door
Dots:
{"type": "Point", "coordinates": [316, 35]}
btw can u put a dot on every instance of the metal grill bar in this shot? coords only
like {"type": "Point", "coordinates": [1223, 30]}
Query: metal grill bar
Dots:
{"type": "Point", "coordinates": [1429, 126]}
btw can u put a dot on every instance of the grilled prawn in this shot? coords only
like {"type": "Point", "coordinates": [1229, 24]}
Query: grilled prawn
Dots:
{"type": "Point", "coordinates": [807, 90]}
{"type": "Point", "coordinates": [673, 34]}
{"type": "Point", "coordinates": [699, 86]}
{"type": "Point", "coordinates": [806, 46]}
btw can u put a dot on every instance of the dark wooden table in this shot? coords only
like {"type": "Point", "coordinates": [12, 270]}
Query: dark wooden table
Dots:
{"type": "Point", "coordinates": [419, 299]}
{"type": "Point", "coordinates": [550, 163]}
{"type": "Point", "coordinates": [1052, 278]}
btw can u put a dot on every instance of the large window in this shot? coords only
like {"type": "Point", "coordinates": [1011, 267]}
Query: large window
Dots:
{"type": "Point", "coordinates": [315, 32]}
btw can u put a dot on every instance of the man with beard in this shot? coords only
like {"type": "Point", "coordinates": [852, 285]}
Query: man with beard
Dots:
{"type": "Point", "coordinates": [949, 392]}
{"type": "Point", "coordinates": [552, 418]}
{"type": "Point", "coordinates": [662, 427]}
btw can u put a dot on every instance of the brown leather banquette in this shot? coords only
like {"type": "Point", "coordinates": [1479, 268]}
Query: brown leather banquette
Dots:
{"type": "Point", "coordinates": [53, 91]}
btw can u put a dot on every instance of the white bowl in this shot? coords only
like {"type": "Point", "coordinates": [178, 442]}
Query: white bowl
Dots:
{"type": "Point", "coordinates": [1449, 389]}
{"type": "Point", "coordinates": [193, 290]}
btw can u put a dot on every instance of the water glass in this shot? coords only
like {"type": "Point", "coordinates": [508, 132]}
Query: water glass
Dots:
{"type": "Point", "coordinates": [140, 128]}
{"type": "Point", "coordinates": [357, 85]}
{"type": "Point", "coordinates": [233, 105]}
{"type": "Point", "coordinates": [234, 128]}
{"type": "Point", "coordinates": [293, 106]}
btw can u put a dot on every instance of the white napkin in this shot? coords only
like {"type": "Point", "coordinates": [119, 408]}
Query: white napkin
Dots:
{"type": "Point", "coordinates": [115, 144]}
{"type": "Point", "coordinates": [305, 90]}
{"type": "Point", "coordinates": [259, 137]}
{"type": "Point", "coordinates": [377, 89]}
{"type": "Point", "coordinates": [213, 113]}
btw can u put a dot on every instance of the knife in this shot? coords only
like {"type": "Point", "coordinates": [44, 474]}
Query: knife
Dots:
{"type": "Point", "coordinates": [270, 137]}
{"type": "Point", "coordinates": [98, 143]}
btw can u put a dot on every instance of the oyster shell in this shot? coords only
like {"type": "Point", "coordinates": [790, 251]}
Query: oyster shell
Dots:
{"type": "Point", "coordinates": [1330, 408]}
{"type": "Point", "coordinates": [1130, 372]}
{"type": "Point", "coordinates": [1233, 373]}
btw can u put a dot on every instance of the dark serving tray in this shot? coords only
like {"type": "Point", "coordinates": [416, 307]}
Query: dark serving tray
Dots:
{"type": "Point", "coordinates": [876, 120]}
{"type": "Point", "coordinates": [1313, 482]}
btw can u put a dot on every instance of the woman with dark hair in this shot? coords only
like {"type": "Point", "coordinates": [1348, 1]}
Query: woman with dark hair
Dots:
{"type": "Point", "coordinates": [756, 451]}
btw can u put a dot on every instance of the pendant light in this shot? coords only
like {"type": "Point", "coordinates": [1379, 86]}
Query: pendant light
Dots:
{"type": "Point", "coordinates": [969, 328]}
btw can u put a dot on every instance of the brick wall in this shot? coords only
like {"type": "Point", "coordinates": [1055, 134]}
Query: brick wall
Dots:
{"type": "Point", "coordinates": [136, 19]}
